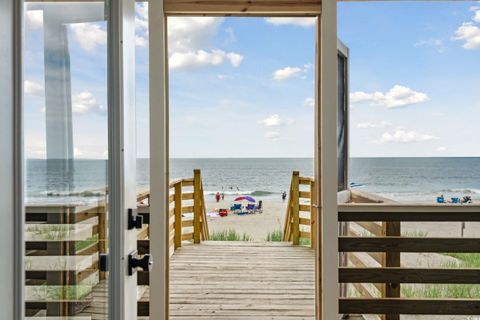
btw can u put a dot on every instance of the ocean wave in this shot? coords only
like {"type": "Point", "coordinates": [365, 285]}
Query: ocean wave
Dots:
{"type": "Point", "coordinates": [462, 191]}
{"type": "Point", "coordinates": [244, 192]}
{"type": "Point", "coordinates": [85, 193]}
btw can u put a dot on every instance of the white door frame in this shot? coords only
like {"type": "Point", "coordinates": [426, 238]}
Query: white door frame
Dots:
{"type": "Point", "coordinates": [159, 155]}
{"type": "Point", "coordinates": [122, 156]}
{"type": "Point", "coordinates": [326, 162]}
{"type": "Point", "coordinates": [122, 290]}
{"type": "Point", "coordinates": [11, 163]}
{"type": "Point", "coordinates": [325, 155]}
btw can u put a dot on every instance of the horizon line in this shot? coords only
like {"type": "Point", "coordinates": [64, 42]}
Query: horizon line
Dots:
{"type": "Point", "coordinates": [253, 157]}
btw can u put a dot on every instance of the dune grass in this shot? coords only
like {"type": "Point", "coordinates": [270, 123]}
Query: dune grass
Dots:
{"type": "Point", "coordinates": [229, 235]}
{"type": "Point", "coordinates": [466, 261]}
{"type": "Point", "coordinates": [275, 236]}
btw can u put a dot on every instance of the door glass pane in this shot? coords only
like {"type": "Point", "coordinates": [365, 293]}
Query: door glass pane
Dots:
{"type": "Point", "coordinates": [342, 122]}
{"type": "Point", "coordinates": [66, 158]}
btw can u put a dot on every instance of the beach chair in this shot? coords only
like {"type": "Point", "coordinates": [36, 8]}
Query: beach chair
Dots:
{"type": "Point", "coordinates": [259, 208]}
{"type": "Point", "coordinates": [250, 208]}
{"type": "Point", "coordinates": [236, 208]}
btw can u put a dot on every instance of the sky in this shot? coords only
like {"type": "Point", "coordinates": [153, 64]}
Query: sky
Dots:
{"type": "Point", "coordinates": [243, 87]}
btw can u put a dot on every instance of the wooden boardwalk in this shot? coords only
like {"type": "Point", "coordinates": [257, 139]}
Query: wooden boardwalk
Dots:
{"type": "Point", "coordinates": [235, 280]}
{"type": "Point", "coordinates": [242, 280]}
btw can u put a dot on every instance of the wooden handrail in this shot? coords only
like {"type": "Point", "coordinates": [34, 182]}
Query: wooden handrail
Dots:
{"type": "Point", "coordinates": [294, 220]}
{"type": "Point", "coordinates": [93, 222]}
{"type": "Point", "coordinates": [385, 244]}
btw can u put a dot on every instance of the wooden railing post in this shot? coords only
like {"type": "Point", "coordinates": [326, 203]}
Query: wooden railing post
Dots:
{"type": "Point", "coordinates": [313, 215]}
{"type": "Point", "coordinates": [295, 208]}
{"type": "Point", "coordinates": [197, 205]}
{"type": "Point", "coordinates": [204, 222]}
{"type": "Point", "coordinates": [287, 227]}
{"type": "Point", "coordinates": [178, 215]}
{"type": "Point", "coordinates": [102, 234]}
{"type": "Point", "coordinates": [392, 259]}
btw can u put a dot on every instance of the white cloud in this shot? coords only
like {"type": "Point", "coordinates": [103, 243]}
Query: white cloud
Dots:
{"type": "Point", "coordinates": [272, 135]}
{"type": "Point", "coordinates": [301, 22]}
{"type": "Point", "coordinates": [234, 58]}
{"type": "Point", "coordinates": [142, 10]}
{"type": "Point", "coordinates": [85, 102]}
{"type": "Point", "coordinates": [286, 73]}
{"type": "Point", "coordinates": [141, 41]}
{"type": "Point", "coordinates": [437, 44]}
{"type": "Point", "coordinates": [396, 97]}
{"type": "Point", "coordinates": [33, 88]}
{"type": "Point", "coordinates": [89, 35]}
{"type": "Point", "coordinates": [442, 149]}
{"type": "Point", "coordinates": [223, 76]}
{"type": "Point", "coordinates": [272, 121]}
{"type": "Point", "coordinates": [476, 16]}
{"type": "Point", "coordinates": [191, 33]}
{"type": "Point", "coordinates": [470, 33]}
{"type": "Point", "coordinates": [34, 19]}
{"type": "Point", "coordinates": [141, 24]}
{"type": "Point", "coordinates": [187, 38]}
{"type": "Point", "coordinates": [231, 38]}
{"type": "Point", "coordinates": [192, 60]}
{"type": "Point", "coordinates": [402, 136]}
{"type": "Point", "coordinates": [309, 102]}
{"type": "Point", "coordinates": [374, 125]}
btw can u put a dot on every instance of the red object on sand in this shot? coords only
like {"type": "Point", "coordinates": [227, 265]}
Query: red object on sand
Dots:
{"type": "Point", "coordinates": [223, 213]}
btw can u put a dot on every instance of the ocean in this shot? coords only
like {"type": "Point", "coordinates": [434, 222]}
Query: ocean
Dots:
{"type": "Point", "coordinates": [402, 179]}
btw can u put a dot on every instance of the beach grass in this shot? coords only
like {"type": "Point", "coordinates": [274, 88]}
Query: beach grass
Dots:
{"type": "Point", "coordinates": [304, 242]}
{"type": "Point", "coordinates": [229, 235]}
{"type": "Point", "coordinates": [415, 234]}
{"type": "Point", "coordinates": [80, 245]}
{"type": "Point", "coordinates": [466, 261]}
{"type": "Point", "coordinates": [275, 236]}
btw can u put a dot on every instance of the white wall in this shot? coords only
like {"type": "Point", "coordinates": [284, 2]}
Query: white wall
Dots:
{"type": "Point", "coordinates": [6, 161]}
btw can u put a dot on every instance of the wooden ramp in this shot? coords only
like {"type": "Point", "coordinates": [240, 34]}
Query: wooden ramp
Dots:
{"type": "Point", "coordinates": [242, 280]}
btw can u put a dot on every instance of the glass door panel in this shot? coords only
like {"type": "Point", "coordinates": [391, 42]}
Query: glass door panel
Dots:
{"type": "Point", "coordinates": [66, 159]}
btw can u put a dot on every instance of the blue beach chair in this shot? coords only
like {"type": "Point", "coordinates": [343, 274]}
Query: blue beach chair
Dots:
{"type": "Point", "coordinates": [250, 208]}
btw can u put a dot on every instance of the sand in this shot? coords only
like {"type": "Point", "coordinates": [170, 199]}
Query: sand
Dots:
{"type": "Point", "coordinates": [256, 226]}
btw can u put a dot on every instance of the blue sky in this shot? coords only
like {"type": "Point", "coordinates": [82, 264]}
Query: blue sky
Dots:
{"type": "Point", "coordinates": [242, 87]}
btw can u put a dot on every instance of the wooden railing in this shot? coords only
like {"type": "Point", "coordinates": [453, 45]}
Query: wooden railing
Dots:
{"type": "Point", "coordinates": [186, 198]}
{"type": "Point", "coordinates": [63, 244]}
{"type": "Point", "coordinates": [375, 231]}
{"type": "Point", "coordinates": [299, 218]}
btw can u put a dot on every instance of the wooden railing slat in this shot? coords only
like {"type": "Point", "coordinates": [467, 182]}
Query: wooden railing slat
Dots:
{"type": "Point", "coordinates": [409, 275]}
{"type": "Point", "coordinates": [430, 214]}
{"type": "Point", "coordinates": [411, 244]}
{"type": "Point", "coordinates": [410, 306]}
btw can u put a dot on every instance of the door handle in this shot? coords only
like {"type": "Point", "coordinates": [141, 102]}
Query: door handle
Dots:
{"type": "Point", "coordinates": [134, 262]}
{"type": "Point", "coordinates": [135, 221]}
{"type": "Point", "coordinates": [103, 262]}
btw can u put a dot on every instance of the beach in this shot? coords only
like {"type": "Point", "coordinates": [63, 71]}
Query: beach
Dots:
{"type": "Point", "coordinates": [256, 226]}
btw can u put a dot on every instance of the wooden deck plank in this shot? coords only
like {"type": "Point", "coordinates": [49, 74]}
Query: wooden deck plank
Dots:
{"type": "Point", "coordinates": [234, 280]}
{"type": "Point", "coordinates": [242, 280]}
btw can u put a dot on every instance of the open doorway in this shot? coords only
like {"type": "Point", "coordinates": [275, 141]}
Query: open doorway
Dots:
{"type": "Point", "coordinates": [189, 184]}
{"type": "Point", "coordinates": [241, 140]}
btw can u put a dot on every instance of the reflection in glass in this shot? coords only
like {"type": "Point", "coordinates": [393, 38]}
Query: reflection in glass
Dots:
{"type": "Point", "coordinates": [66, 143]}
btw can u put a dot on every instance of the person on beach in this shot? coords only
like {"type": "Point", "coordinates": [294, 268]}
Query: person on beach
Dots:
{"type": "Point", "coordinates": [284, 195]}
{"type": "Point", "coordinates": [217, 197]}
{"type": "Point", "coordinates": [223, 196]}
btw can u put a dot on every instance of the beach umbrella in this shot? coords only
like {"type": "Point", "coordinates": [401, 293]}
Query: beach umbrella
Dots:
{"type": "Point", "coordinates": [248, 198]}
